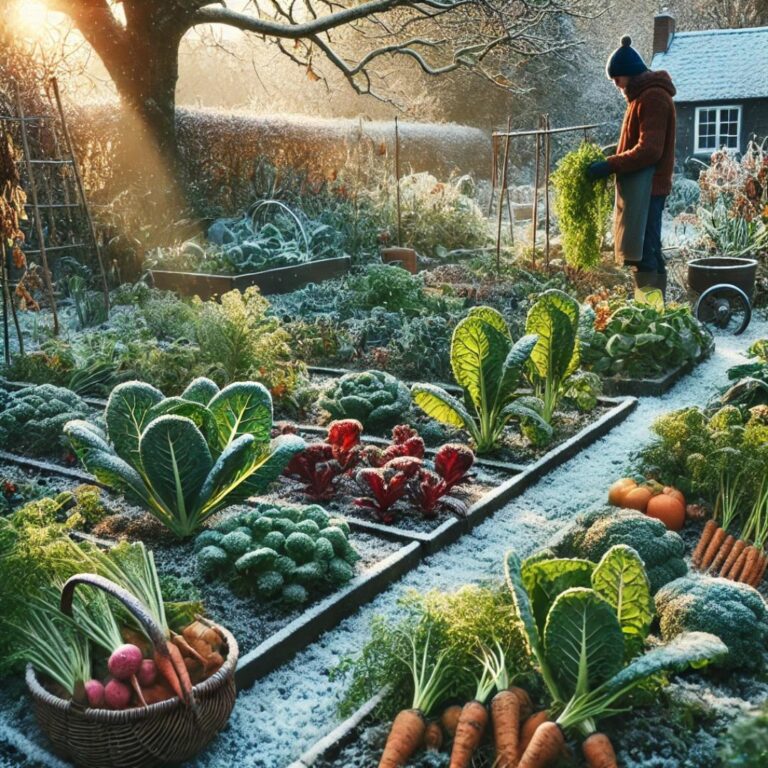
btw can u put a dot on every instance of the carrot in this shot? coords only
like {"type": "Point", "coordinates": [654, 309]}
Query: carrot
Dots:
{"type": "Point", "coordinates": [505, 713]}
{"type": "Point", "coordinates": [706, 534]}
{"type": "Point", "coordinates": [545, 746]}
{"type": "Point", "coordinates": [738, 566]}
{"type": "Point", "coordinates": [469, 733]}
{"type": "Point", "coordinates": [526, 706]}
{"type": "Point", "coordinates": [181, 671]}
{"type": "Point", "coordinates": [168, 671]}
{"type": "Point", "coordinates": [406, 736]}
{"type": "Point", "coordinates": [759, 570]}
{"type": "Point", "coordinates": [722, 554]}
{"type": "Point", "coordinates": [750, 564]}
{"type": "Point", "coordinates": [450, 719]}
{"type": "Point", "coordinates": [733, 556]}
{"type": "Point", "coordinates": [714, 544]}
{"type": "Point", "coordinates": [433, 736]}
{"type": "Point", "coordinates": [530, 726]}
{"type": "Point", "coordinates": [598, 751]}
{"type": "Point", "coordinates": [181, 643]}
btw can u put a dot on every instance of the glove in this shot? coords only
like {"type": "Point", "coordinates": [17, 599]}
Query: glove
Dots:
{"type": "Point", "coordinates": [598, 170]}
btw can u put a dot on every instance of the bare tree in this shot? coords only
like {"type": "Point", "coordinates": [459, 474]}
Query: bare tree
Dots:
{"type": "Point", "coordinates": [138, 40]}
{"type": "Point", "coordinates": [725, 14]}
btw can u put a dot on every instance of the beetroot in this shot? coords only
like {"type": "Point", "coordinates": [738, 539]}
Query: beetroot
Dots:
{"type": "Point", "coordinates": [124, 662]}
{"type": "Point", "coordinates": [147, 673]}
{"type": "Point", "coordinates": [94, 692]}
{"type": "Point", "coordinates": [117, 694]}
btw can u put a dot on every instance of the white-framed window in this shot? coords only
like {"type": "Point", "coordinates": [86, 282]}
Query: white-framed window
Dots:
{"type": "Point", "coordinates": [717, 127]}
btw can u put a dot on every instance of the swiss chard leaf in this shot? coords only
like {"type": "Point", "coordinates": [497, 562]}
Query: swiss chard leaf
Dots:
{"type": "Point", "coordinates": [242, 408]}
{"type": "Point", "coordinates": [620, 579]}
{"type": "Point", "coordinates": [583, 641]}
{"type": "Point", "coordinates": [441, 406]}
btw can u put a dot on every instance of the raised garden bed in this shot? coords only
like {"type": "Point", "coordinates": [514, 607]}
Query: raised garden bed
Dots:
{"type": "Point", "coordinates": [269, 281]}
{"type": "Point", "coordinates": [656, 386]}
{"type": "Point", "coordinates": [268, 634]}
{"type": "Point", "coordinates": [437, 534]}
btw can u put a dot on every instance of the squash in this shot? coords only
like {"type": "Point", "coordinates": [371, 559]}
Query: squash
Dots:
{"type": "Point", "coordinates": [618, 491]}
{"type": "Point", "coordinates": [638, 498]}
{"type": "Point", "coordinates": [669, 507]}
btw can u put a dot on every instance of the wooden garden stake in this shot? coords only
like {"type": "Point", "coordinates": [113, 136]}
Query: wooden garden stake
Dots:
{"type": "Point", "coordinates": [502, 190]}
{"type": "Point", "coordinates": [36, 207]}
{"type": "Point", "coordinates": [535, 207]}
{"type": "Point", "coordinates": [81, 191]}
{"type": "Point", "coordinates": [397, 179]}
{"type": "Point", "coordinates": [8, 302]}
{"type": "Point", "coordinates": [547, 160]}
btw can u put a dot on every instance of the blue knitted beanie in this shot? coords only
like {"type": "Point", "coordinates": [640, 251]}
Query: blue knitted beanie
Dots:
{"type": "Point", "coordinates": [625, 61]}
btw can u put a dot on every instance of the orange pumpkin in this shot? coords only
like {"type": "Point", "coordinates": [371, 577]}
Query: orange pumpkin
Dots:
{"type": "Point", "coordinates": [618, 491]}
{"type": "Point", "coordinates": [669, 507]}
{"type": "Point", "coordinates": [638, 498]}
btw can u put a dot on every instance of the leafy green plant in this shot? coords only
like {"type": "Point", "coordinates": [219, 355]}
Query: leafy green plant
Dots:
{"type": "Point", "coordinates": [185, 458]}
{"type": "Point", "coordinates": [32, 418]}
{"type": "Point", "coordinates": [279, 552]}
{"type": "Point", "coordinates": [238, 340]}
{"type": "Point", "coordinates": [554, 319]}
{"type": "Point", "coordinates": [746, 743]}
{"type": "Point", "coordinates": [640, 340]}
{"type": "Point", "coordinates": [376, 399]}
{"type": "Point", "coordinates": [589, 647]}
{"type": "Point", "coordinates": [453, 625]}
{"type": "Point", "coordinates": [392, 288]}
{"type": "Point", "coordinates": [583, 207]}
{"type": "Point", "coordinates": [489, 367]}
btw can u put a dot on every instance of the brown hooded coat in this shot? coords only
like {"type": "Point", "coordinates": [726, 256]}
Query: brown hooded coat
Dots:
{"type": "Point", "coordinates": [648, 131]}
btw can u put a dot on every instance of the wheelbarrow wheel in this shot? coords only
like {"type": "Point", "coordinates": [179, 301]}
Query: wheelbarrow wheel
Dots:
{"type": "Point", "coordinates": [724, 307]}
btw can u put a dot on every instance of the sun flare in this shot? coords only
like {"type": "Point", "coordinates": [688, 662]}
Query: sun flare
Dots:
{"type": "Point", "coordinates": [32, 17]}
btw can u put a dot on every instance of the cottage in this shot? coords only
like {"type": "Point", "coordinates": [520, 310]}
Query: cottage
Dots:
{"type": "Point", "coordinates": [721, 76]}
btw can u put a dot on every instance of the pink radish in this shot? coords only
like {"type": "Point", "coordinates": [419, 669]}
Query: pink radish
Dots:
{"type": "Point", "coordinates": [124, 662]}
{"type": "Point", "coordinates": [94, 692]}
{"type": "Point", "coordinates": [147, 673]}
{"type": "Point", "coordinates": [117, 695]}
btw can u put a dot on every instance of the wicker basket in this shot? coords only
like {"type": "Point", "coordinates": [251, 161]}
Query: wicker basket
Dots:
{"type": "Point", "coordinates": [141, 737]}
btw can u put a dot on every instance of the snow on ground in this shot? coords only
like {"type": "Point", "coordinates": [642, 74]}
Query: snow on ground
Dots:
{"type": "Point", "coordinates": [286, 712]}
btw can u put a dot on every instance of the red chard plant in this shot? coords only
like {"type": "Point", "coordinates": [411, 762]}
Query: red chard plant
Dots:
{"type": "Point", "coordinates": [316, 467]}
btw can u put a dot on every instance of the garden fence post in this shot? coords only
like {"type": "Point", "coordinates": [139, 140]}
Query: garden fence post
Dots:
{"type": "Point", "coordinates": [547, 158]}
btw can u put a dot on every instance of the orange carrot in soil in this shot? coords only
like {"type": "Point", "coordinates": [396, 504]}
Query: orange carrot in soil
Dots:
{"type": "Point", "coordinates": [761, 571]}
{"type": "Point", "coordinates": [738, 566]}
{"type": "Point", "coordinates": [748, 573]}
{"type": "Point", "coordinates": [505, 714]}
{"type": "Point", "coordinates": [530, 726]}
{"type": "Point", "coordinates": [406, 736]}
{"type": "Point", "coordinates": [433, 736]}
{"type": "Point", "coordinates": [722, 554]}
{"type": "Point", "coordinates": [706, 535]}
{"type": "Point", "coordinates": [469, 733]}
{"type": "Point", "coordinates": [450, 719]}
{"type": "Point", "coordinates": [733, 556]}
{"type": "Point", "coordinates": [598, 751]}
{"type": "Point", "coordinates": [711, 551]}
{"type": "Point", "coordinates": [545, 746]}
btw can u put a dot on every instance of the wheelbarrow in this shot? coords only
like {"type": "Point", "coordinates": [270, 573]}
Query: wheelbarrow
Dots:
{"type": "Point", "coordinates": [722, 287]}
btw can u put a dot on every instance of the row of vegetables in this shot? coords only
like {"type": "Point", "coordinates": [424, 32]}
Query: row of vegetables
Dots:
{"type": "Point", "coordinates": [601, 617]}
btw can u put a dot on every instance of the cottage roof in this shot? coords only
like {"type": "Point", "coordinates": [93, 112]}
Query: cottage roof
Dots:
{"type": "Point", "coordinates": [717, 64]}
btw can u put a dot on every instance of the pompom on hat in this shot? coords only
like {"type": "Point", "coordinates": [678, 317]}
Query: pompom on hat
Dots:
{"type": "Point", "coordinates": [625, 61]}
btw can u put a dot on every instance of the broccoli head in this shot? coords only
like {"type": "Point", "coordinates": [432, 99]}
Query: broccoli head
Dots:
{"type": "Point", "coordinates": [212, 560]}
{"type": "Point", "coordinates": [236, 543]}
{"type": "Point", "coordinates": [735, 612]}
{"type": "Point", "coordinates": [592, 534]}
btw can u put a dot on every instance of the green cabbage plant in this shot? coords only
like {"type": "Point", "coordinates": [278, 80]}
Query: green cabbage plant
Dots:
{"type": "Point", "coordinates": [586, 626]}
{"type": "Point", "coordinates": [185, 458]}
{"type": "Point", "coordinates": [554, 318]}
{"type": "Point", "coordinates": [489, 367]}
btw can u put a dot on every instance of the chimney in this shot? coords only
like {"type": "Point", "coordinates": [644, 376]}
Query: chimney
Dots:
{"type": "Point", "coordinates": [663, 30]}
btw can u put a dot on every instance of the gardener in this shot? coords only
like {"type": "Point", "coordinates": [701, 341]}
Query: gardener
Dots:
{"type": "Point", "coordinates": [644, 161]}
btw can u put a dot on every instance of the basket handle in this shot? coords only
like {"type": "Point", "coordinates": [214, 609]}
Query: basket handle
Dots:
{"type": "Point", "coordinates": [136, 608]}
